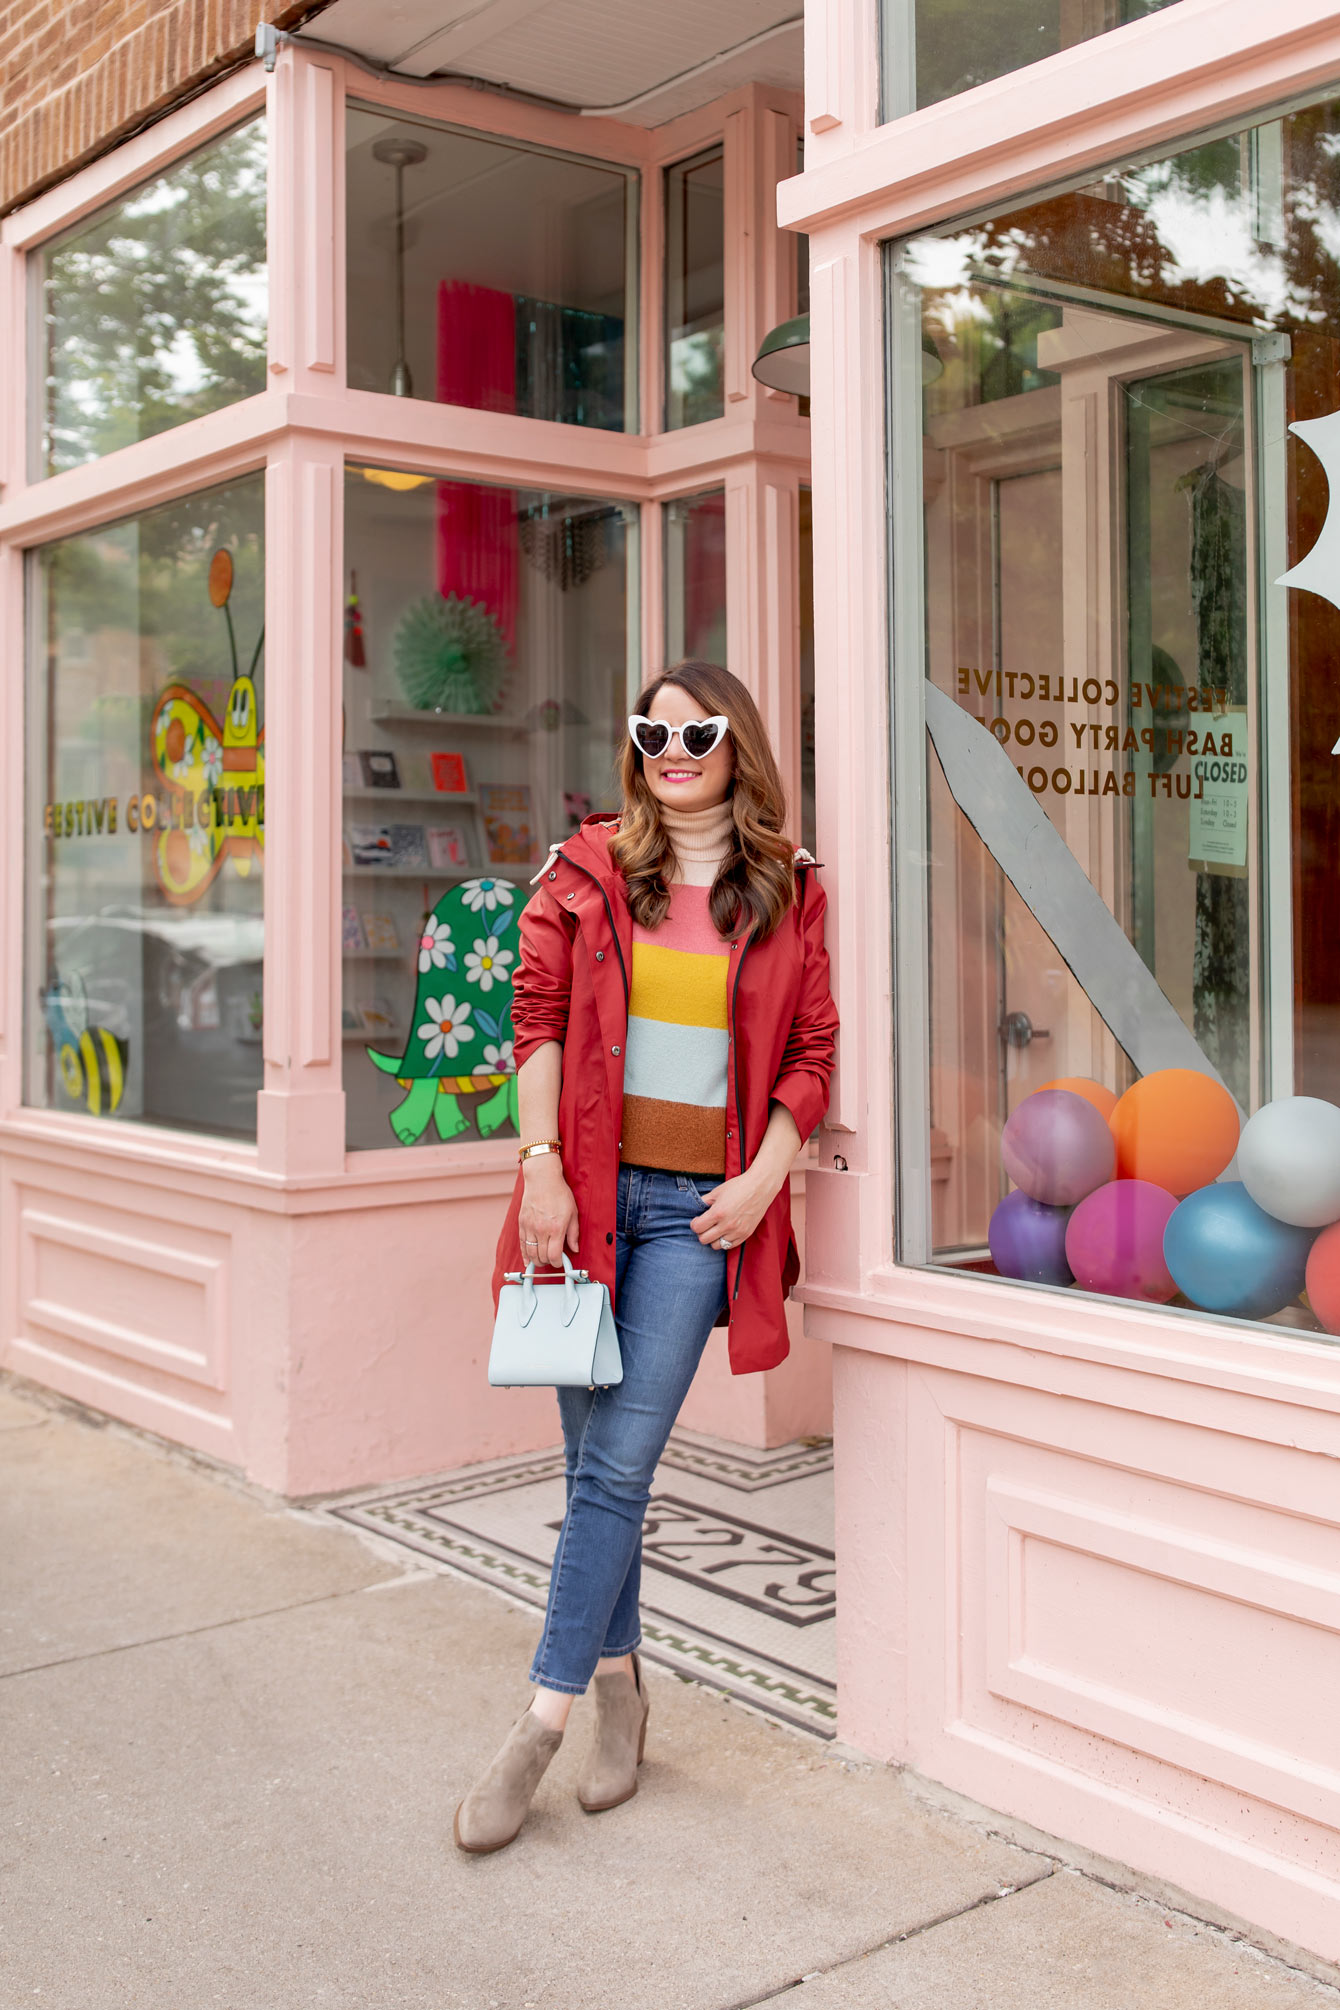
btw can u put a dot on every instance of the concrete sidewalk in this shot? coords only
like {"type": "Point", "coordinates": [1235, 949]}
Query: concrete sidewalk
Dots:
{"type": "Point", "coordinates": [233, 1738]}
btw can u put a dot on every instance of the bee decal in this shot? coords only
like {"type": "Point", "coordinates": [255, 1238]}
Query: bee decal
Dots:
{"type": "Point", "coordinates": [213, 775]}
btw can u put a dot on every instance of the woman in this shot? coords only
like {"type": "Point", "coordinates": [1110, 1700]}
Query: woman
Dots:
{"type": "Point", "coordinates": [674, 1035]}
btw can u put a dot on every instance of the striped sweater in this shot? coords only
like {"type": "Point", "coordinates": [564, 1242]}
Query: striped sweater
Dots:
{"type": "Point", "coordinates": [674, 1103]}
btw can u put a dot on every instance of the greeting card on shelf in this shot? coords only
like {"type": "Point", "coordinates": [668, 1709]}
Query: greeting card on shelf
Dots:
{"type": "Point", "coordinates": [353, 937]}
{"type": "Point", "coordinates": [506, 808]}
{"type": "Point", "coordinates": [447, 846]}
{"type": "Point", "coordinates": [378, 768]}
{"type": "Point", "coordinates": [377, 1018]}
{"type": "Point", "coordinates": [408, 850]}
{"type": "Point", "coordinates": [576, 805]}
{"type": "Point", "coordinates": [449, 776]}
{"type": "Point", "coordinates": [351, 771]}
{"type": "Point", "coordinates": [371, 844]}
{"type": "Point", "coordinates": [381, 931]}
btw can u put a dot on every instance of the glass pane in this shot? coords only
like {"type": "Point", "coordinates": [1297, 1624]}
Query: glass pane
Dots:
{"type": "Point", "coordinates": [695, 290]}
{"type": "Point", "coordinates": [1132, 731]}
{"type": "Point", "coordinates": [489, 649]}
{"type": "Point", "coordinates": [489, 274]}
{"type": "Point", "coordinates": [959, 43]}
{"type": "Point", "coordinates": [146, 690]}
{"type": "Point", "coordinates": [154, 311]}
{"type": "Point", "coordinates": [695, 577]}
{"type": "Point", "coordinates": [807, 825]}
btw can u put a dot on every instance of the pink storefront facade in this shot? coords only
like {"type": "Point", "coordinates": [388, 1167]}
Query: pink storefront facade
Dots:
{"type": "Point", "coordinates": [309, 655]}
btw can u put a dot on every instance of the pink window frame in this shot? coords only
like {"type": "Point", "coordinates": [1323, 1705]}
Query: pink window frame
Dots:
{"type": "Point", "coordinates": [300, 430]}
{"type": "Point", "coordinates": [1196, 67]}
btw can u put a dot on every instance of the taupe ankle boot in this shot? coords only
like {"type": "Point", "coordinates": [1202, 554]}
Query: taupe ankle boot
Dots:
{"type": "Point", "coordinates": [610, 1773]}
{"type": "Point", "coordinates": [493, 1811]}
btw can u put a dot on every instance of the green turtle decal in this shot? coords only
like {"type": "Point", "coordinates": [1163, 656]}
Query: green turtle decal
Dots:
{"type": "Point", "coordinates": [462, 1018]}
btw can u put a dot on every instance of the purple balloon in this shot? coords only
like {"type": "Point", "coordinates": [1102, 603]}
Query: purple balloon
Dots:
{"type": "Point", "coordinates": [1027, 1240]}
{"type": "Point", "coordinates": [1114, 1243]}
{"type": "Point", "coordinates": [1058, 1147]}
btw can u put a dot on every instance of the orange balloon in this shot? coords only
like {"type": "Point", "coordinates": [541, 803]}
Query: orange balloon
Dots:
{"type": "Point", "coordinates": [1103, 1100]}
{"type": "Point", "coordinates": [1323, 1278]}
{"type": "Point", "coordinates": [1176, 1128]}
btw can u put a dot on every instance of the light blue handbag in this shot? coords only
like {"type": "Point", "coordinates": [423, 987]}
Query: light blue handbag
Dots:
{"type": "Point", "coordinates": [554, 1335]}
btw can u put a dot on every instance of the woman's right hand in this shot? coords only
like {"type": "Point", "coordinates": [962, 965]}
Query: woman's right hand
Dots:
{"type": "Point", "coordinates": [548, 1212]}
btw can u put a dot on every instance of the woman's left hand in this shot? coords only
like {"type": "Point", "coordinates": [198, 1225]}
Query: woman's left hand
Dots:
{"type": "Point", "coordinates": [734, 1210]}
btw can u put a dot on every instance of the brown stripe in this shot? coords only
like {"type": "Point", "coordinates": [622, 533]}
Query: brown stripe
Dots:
{"type": "Point", "coordinates": [681, 1137]}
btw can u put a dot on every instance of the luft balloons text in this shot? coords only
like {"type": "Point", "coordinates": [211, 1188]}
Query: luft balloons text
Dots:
{"type": "Point", "coordinates": [1127, 1196]}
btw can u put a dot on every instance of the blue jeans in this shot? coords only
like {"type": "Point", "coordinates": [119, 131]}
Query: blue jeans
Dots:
{"type": "Point", "coordinates": [669, 1290]}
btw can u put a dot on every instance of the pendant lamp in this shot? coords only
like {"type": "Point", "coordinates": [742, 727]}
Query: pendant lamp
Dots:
{"type": "Point", "coordinates": [398, 151]}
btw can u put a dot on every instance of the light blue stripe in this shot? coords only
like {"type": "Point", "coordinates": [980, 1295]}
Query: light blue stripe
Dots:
{"type": "Point", "coordinates": [676, 1064]}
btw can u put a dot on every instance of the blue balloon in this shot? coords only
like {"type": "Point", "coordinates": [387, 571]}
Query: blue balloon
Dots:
{"type": "Point", "coordinates": [1027, 1240]}
{"type": "Point", "coordinates": [1228, 1255]}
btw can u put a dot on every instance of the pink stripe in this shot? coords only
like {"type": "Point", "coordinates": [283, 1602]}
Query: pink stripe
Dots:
{"type": "Point", "coordinates": [688, 925]}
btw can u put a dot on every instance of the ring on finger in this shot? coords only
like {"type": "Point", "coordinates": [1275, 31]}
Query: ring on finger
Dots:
{"type": "Point", "coordinates": [724, 1243]}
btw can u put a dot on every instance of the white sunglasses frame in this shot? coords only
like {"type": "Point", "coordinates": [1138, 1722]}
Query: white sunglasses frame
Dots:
{"type": "Point", "coordinates": [718, 719]}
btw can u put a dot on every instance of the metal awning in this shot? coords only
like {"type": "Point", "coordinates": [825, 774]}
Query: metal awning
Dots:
{"type": "Point", "coordinates": [639, 60]}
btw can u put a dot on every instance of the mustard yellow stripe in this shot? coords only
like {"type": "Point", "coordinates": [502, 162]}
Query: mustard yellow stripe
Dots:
{"type": "Point", "coordinates": [677, 986]}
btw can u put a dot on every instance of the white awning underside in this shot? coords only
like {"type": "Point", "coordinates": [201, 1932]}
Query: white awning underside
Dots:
{"type": "Point", "coordinates": [645, 61]}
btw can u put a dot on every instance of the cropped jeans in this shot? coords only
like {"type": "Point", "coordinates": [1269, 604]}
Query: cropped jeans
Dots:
{"type": "Point", "coordinates": [669, 1290]}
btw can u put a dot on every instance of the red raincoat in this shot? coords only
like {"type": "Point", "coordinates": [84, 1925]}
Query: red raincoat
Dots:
{"type": "Point", "coordinates": [572, 986]}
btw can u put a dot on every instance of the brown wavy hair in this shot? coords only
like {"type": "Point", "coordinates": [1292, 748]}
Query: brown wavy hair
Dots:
{"type": "Point", "coordinates": [756, 883]}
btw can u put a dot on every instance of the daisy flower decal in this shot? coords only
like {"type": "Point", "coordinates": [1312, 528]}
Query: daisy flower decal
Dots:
{"type": "Point", "coordinates": [497, 1060]}
{"type": "Point", "coordinates": [486, 964]}
{"type": "Point", "coordinates": [435, 946]}
{"type": "Point", "coordinates": [486, 894]}
{"type": "Point", "coordinates": [445, 1027]}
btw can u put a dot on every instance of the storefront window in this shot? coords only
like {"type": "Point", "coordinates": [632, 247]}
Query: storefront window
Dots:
{"type": "Point", "coordinates": [489, 655]}
{"type": "Point", "coordinates": [490, 274]}
{"type": "Point", "coordinates": [934, 49]}
{"type": "Point", "coordinates": [146, 831]}
{"type": "Point", "coordinates": [806, 570]}
{"type": "Point", "coordinates": [1132, 913]}
{"type": "Point", "coordinates": [695, 577]}
{"type": "Point", "coordinates": [695, 289]}
{"type": "Point", "coordinates": [154, 311]}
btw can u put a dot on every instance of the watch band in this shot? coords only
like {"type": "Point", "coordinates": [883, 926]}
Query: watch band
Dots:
{"type": "Point", "coordinates": [540, 1145]}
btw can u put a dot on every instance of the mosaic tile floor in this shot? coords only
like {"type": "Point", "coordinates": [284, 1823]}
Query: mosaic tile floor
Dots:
{"type": "Point", "coordinates": [737, 1558]}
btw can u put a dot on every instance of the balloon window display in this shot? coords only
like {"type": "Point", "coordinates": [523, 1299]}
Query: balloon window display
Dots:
{"type": "Point", "coordinates": [1161, 1195]}
{"type": "Point", "coordinates": [1115, 737]}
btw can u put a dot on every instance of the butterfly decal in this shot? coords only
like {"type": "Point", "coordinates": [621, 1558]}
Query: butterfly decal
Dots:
{"type": "Point", "coordinates": [213, 775]}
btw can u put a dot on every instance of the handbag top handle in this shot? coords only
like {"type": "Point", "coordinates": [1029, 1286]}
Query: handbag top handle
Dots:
{"type": "Point", "coordinates": [526, 1279]}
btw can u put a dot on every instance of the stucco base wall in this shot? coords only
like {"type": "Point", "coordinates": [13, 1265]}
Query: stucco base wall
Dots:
{"type": "Point", "coordinates": [1118, 1625]}
{"type": "Point", "coordinates": [317, 1339]}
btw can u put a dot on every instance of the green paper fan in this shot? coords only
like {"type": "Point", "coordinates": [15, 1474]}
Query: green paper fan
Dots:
{"type": "Point", "coordinates": [450, 655]}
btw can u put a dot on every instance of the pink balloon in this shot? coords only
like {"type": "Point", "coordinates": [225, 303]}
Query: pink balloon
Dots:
{"type": "Point", "coordinates": [1114, 1243]}
{"type": "Point", "coordinates": [1057, 1147]}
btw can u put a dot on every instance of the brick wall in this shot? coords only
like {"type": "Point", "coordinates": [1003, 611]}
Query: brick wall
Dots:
{"type": "Point", "coordinates": [77, 75]}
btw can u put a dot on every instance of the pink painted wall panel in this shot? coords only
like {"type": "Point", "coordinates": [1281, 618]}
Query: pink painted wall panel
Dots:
{"type": "Point", "coordinates": [1122, 1627]}
{"type": "Point", "coordinates": [125, 1307]}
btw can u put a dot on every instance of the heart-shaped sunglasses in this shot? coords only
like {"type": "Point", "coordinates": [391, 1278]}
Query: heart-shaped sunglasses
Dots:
{"type": "Point", "coordinates": [697, 737]}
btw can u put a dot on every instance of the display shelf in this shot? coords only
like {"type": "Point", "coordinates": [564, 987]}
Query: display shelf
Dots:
{"type": "Point", "coordinates": [388, 796]}
{"type": "Point", "coordinates": [395, 1037]}
{"type": "Point", "coordinates": [374, 955]}
{"type": "Point", "coordinates": [398, 714]}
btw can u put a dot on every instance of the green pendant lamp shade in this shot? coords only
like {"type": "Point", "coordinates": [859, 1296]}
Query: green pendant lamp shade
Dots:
{"type": "Point", "coordinates": [783, 360]}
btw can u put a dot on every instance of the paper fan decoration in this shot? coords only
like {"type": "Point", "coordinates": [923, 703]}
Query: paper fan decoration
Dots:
{"type": "Point", "coordinates": [450, 655]}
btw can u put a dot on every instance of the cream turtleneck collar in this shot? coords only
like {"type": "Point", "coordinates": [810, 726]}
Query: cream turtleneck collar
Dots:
{"type": "Point", "coordinates": [701, 839]}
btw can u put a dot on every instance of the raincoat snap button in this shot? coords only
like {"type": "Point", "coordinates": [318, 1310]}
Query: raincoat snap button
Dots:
{"type": "Point", "coordinates": [600, 956]}
{"type": "Point", "coordinates": [609, 1235]}
{"type": "Point", "coordinates": [572, 896]}
{"type": "Point", "coordinates": [614, 1050]}
{"type": "Point", "coordinates": [553, 875]}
